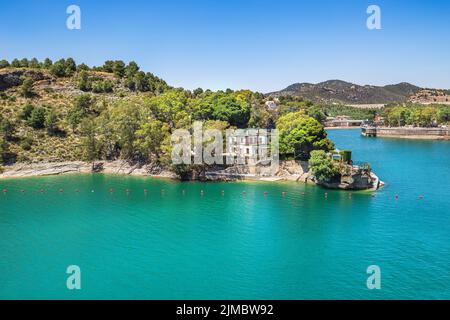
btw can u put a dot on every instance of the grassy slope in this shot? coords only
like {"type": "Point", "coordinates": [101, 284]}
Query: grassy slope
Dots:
{"type": "Point", "coordinates": [57, 94]}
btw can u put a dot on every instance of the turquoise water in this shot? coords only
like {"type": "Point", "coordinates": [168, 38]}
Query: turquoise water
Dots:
{"type": "Point", "coordinates": [174, 245]}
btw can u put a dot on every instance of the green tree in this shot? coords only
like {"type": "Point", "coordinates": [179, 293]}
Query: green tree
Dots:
{"type": "Point", "coordinates": [89, 140]}
{"type": "Point", "coordinates": [6, 128]}
{"type": "Point", "coordinates": [70, 67]}
{"type": "Point", "coordinates": [131, 69]}
{"type": "Point", "coordinates": [37, 118]}
{"type": "Point", "coordinates": [27, 109]}
{"type": "Point", "coordinates": [140, 82]}
{"type": "Point", "coordinates": [228, 108]}
{"type": "Point", "coordinates": [443, 115]}
{"type": "Point", "coordinates": [119, 68]}
{"type": "Point", "coordinates": [82, 107]}
{"type": "Point", "coordinates": [125, 121]}
{"type": "Point", "coordinates": [47, 63]}
{"type": "Point", "coordinates": [102, 86]}
{"type": "Point", "coordinates": [317, 113]}
{"type": "Point", "coordinates": [34, 63]}
{"type": "Point", "coordinates": [3, 150]}
{"type": "Point", "coordinates": [15, 63]}
{"type": "Point", "coordinates": [153, 138]}
{"type": "Point", "coordinates": [83, 67]}
{"type": "Point", "coordinates": [108, 66]}
{"type": "Point", "coordinates": [51, 122]}
{"type": "Point", "coordinates": [197, 92]}
{"type": "Point", "coordinates": [59, 68]}
{"type": "Point", "coordinates": [322, 166]}
{"type": "Point", "coordinates": [4, 64]}
{"type": "Point", "coordinates": [27, 87]}
{"type": "Point", "coordinates": [84, 83]}
{"type": "Point", "coordinates": [24, 63]}
{"type": "Point", "coordinates": [301, 134]}
{"type": "Point", "coordinates": [27, 143]}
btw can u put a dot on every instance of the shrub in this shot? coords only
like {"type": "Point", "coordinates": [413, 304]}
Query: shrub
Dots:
{"type": "Point", "coordinates": [51, 122]}
{"type": "Point", "coordinates": [26, 111]}
{"type": "Point", "coordinates": [37, 118]}
{"type": "Point", "coordinates": [27, 143]}
{"type": "Point", "coordinates": [27, 87]}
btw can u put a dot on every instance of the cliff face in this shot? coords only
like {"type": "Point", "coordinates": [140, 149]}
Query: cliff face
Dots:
{"type": "Point", "coordinates": [9, 79]}
{"type": "Point", "coordinates": [357, 180]}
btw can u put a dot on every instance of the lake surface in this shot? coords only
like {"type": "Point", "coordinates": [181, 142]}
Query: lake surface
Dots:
{"type": "Point", "coordinates": [170, 244]}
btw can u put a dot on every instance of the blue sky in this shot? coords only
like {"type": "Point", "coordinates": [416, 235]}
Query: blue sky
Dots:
{"type": "Point", "coordinates": [253, 44]}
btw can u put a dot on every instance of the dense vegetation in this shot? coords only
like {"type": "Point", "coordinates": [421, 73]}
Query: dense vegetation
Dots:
{"type": "Point", "coordinates": [416, 115]}
{"type": "Point", "coordinates": [322, 166]}
{"type": "Point", "coordinates": [64, 111]}
{"type": "Point", "coordinates": [301, 134]}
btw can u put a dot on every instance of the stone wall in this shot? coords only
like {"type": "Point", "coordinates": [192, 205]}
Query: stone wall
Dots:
{"type": "Point", "coordinates": [408, 132]}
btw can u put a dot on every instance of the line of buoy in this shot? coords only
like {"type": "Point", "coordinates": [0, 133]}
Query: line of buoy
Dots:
{"type": "Point", "coordinates": [202, 192]}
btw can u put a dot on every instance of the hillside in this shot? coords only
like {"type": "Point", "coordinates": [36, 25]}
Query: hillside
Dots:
{"type": "Point", "coordinates": [60, 111]}
{"type": "Point", "coordinates": [341, 92]}
{"type": "Point", "coordinates": [40, 122]}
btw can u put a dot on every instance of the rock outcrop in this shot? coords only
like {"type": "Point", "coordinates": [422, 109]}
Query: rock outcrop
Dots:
{"type": "Point", "coordinates": [58, 168]}
{"type": "Point", "coordinates": [9, 79]}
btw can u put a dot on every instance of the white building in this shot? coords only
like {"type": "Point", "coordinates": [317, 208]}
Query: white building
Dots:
{"type": "Point", "coordinates": [249, 146]}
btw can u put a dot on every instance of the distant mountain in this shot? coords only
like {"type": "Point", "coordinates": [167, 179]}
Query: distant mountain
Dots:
{"type": "Point", "coordinates": [337, 91]}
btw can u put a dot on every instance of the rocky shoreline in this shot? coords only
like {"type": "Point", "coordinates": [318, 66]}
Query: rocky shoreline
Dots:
{"type": "Point", "coordinates": [296, 171]}
{"type": "Point", "coordinates": [22, 170]}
